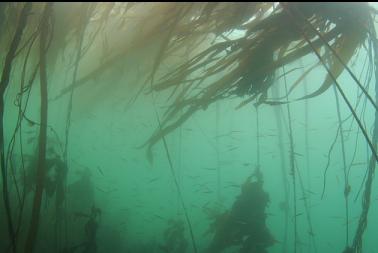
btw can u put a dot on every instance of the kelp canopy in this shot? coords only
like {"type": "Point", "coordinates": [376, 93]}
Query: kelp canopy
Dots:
{"type": "Point", "coordinates": [273, 36]}
{"type": "Point", "coordinates": [201, 53]}
{"type": "Point", "coordinates": [269, 37]}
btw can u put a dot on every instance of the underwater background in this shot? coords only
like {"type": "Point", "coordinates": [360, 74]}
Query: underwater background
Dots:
{"type": "Point", "coordinates": [266, 178]}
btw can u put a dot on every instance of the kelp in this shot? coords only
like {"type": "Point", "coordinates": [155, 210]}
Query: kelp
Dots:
{"type": "Point", "coordinates": [246, 66]}
{"type": "Point", "coordinates": [178, 189]}
{"type": "Point", "coordinates": [244, 224]}
{"type": "Point", "coordinates": [4, 82]}
{"type": "Point", "coordinates": [90, 231]}
{"type": "Point", "coordinates": [174, 237]}
{"type": "Point", "coordinates": [284, 205]}
{"type": "Point", "coordinates": [292, 166]}
{"type": "Point", "coordinates": [56, 172]}
{"type": "Point", "coordinates": [362, 223]}
{"type": "Point", "coordinates": [41, 165]}
{"type": "Point", "coordinates": [225, 65]}
{"type": "Point", "coordinates": [233, 50]}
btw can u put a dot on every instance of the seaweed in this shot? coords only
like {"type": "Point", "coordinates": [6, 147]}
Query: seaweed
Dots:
{"type": "Point", "coordinates": [174, 237]}
{"type": "Point", "coordinates": [244, 225]}
{"type": "Point", "coordinates": [224, 51]}
{"type": "Point", "coordinates": [41, 171]}
{"type": "Point", "coordinates": [90, 231]}
{"type": "Point", "coordinates": [245, 66]}
{"type": "Point", "coordinates": [4, 82]}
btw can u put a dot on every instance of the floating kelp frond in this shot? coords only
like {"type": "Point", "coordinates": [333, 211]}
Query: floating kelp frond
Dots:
{"type": "Point", "coordinates": [234, 49]}
{"type": "Point", "coordinates": [272, 38]}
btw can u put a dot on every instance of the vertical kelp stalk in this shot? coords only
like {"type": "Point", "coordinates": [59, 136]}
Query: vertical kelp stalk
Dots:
{"type": "Point", "coordinates": [292, 163]}
{"type": "Point", "coordinates": [307, 152]}
{"type": "Point", "coordinates": [177, 185]}
{"type": "Point", "coordinates": [294, 169]}
{"type": "Point", "coordinates": [33, 229]}
{"type": "Point", "coordinates": [285, 205]}
{"type": "Point", "coordinates": [174, 175]}
{"type": "Point", "coordinates": [179, 166]}
{"type": "Point", "coordinates": [257, 139]}
{"type": "Point", "coordinates": [362, 224]}
{"type": "Point", "coordinates": [307, 149]}
{"type": "Point", "coordinates": [3, 86]}
{"type": "Point", "coordinates": [307, 209]}
{"type": "Point", "coordinates": [83, 24]}
{"type": "Point", "coordinates": [217, 117]}
{"type": "Point", "coordinates": [329, 161]}
{"type": "Point", "coordinates": [18, 129]}
{"type": "Point", "coordinates": [307, 199]}
{"type": "Point", "coordinates": [369, 73]}
{"type": "Point", "coordinates": [346, 181]}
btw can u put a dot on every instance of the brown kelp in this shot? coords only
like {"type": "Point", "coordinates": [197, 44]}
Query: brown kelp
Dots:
{"type": "Point", "coordinates": [178, 189]}
{"type": "Point", "coordinates": [3, 86]}
{"type": "Point", "coordinates": [54, 180]}
{"type": "Point", "coordinates": [284, 205]}
{"type": "Point", "coordinates": [41, 171]}
{"type": "Point", "coordinates": [90, 231]}
{"type": "Point", "coordinates": [174, 237]}
{"type": "Point", "coordinates": [202, 53]}
{"type": "Point", "coordinates": [362, 224]}
{"type": "Point", "coordinates": [244, 224]}
{"type": "Point", "coordinates": [245, 66]}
